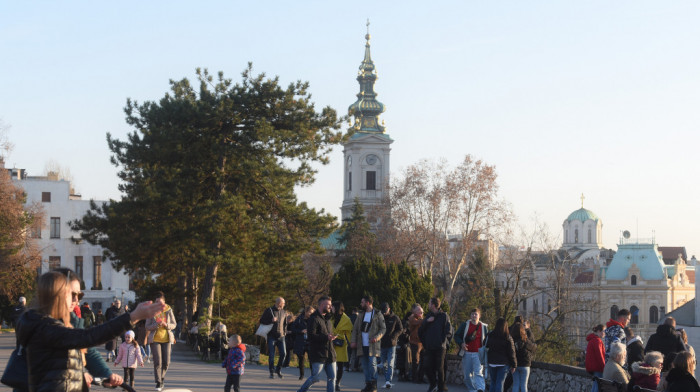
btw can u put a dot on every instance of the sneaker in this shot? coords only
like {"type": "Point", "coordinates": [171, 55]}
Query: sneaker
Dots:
{"type": "Point", "coordinates": [158, 389]}
{"type": "Point", "coordinates": [272, 375]}
{"type": "Point", "coordinates": [337, 387]}
{"type": "Point", "coordinates": [279, 374]}
{"type": "Point", "coordinates": [387, 385]}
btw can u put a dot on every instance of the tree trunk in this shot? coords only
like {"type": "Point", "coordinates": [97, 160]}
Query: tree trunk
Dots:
{"type": "Point", "coordinates": [191, 295]}
{"type": "Point", "coordinates": [180, 300]}
{"type": "Point", "coordinates": [206, 305]}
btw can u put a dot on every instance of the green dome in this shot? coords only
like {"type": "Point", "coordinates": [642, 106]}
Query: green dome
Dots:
{"type": "Point", "coordinates": [582, 215]}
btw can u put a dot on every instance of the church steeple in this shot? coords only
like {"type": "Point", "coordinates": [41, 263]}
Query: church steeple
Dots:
{"type": "Point", "coordinates": [367, 109]}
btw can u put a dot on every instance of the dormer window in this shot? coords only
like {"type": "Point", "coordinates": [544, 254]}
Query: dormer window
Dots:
{"type": "Point", "coordinates": [633, 280]}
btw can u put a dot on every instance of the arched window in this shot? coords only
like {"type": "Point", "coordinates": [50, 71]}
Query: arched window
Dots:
{"type": "Point", "coordinates": [635, 315]}
{"type": "Point", "coordinates": [576, 236]}
{"type": "Point", "coordinates": [589, 236]}
{"type": "Point", "coordinates": [653, 315]}
{"type": "Point", "coordinates": [633, 280]}
{"type": "Point", "coordinates": [566, 235]}
{"type": "Point", "coordinates": [613, 312]}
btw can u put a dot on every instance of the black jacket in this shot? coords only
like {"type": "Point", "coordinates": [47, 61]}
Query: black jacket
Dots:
{"type": "Point", "coordinates": [113, 312]}
{"type": "Point", "coordinates": [666, 341]}
{"type": "Point", "coordinates": [635, 351]}
{"type": "Point", "coordinates": [394, 329]}
{"type": "Point", "coordinates": [681, 381]}
{"type": "Point", "coordinates": [53, 358]}
{"type": "Point", "coordinates": [267, 317]}
{"type": "Point", "coordinates": [524, 351]}
{"type": "Point", "coordinates": [320, 346]}
{"type": "Point", "coordinates": [300, 344]}
{"type": "Point", "coordinates": [436, 334]}
{"type": "Point", "coordinates": [501, 350]}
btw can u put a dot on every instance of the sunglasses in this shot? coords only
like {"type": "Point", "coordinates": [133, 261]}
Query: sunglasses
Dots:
{"type": "Point", "coordinates": [78, 296]}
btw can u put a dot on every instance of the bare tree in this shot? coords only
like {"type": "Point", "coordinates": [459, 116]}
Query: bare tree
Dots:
{"type": "Point", "coordinates": [5, 145]}
{"type": "Point", "coordinates": [438, 214]}
{"type": "Point", "coordinates": [58, 172]}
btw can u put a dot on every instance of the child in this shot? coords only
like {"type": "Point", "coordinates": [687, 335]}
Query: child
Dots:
{"type": "Point", "coordinates": [234, 363]}
{"type": "Point", "coordinates": [130, 354]}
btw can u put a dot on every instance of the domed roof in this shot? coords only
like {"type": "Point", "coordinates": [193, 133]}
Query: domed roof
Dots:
{"type": "Point", "coordinates": [582, 215]}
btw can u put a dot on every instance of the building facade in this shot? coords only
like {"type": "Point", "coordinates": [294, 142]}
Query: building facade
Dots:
{"type": "Point", "coordinates": [62, 247]}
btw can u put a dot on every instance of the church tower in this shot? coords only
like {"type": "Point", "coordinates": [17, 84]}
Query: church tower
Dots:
{"type": "Point", "coordinates": [367, 153]}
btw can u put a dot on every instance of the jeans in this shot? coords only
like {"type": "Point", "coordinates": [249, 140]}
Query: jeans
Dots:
{"type": "Point", "coordinates": [233, 380]}
{"type": "Point", "coordinates": [161, 361]}
{"type": "Point", "coordinates": [498, 377]}
{"type": "Point", "coordinates": [435, 367]}
{"type": "Point", "coordinates": [520, 378]}
{"type": "Point", "coordinates": [473, 372]}
{"type": "Point", "coordinates": [369, 365]}
{"type": "Point", "coordinates": [316, 368]}
{"type": "Point", "coordinates": [279, 344]}
{"type": "Point", "coordinates": [388, 358]}
{"type": "Point", "coordinates": [595, 384]}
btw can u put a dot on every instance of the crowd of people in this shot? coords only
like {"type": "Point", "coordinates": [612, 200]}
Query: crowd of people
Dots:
{"type": "Point", "coordinates": [666, 363]}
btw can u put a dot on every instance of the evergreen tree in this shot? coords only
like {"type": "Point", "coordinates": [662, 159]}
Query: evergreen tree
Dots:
{"type": "Point", "coordinates": [208, 181]}
{"type": "Point", "coordinates": [356, 237]}
{"type": "Point", "coordinates": [398, 284]}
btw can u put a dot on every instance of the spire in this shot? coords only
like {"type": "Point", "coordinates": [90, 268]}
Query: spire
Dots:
{"type": "Point", "coordinates": [367, 109]}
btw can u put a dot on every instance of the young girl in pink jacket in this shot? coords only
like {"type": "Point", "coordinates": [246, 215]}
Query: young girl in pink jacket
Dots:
{"type": "Point", "coordinates": [129, 356]}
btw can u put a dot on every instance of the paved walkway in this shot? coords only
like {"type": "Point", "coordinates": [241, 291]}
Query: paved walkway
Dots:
{"type": "Point", "coordinates": [188, 372]}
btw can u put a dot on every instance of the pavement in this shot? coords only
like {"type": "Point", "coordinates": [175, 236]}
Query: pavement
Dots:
{"type": "Point", "coordinates": [188, 372]}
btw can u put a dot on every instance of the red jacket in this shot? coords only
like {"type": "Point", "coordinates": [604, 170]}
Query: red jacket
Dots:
{"type": "Point", "coordinates": [595, 354]}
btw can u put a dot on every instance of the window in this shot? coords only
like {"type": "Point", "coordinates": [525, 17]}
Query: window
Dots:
{"type": "Point", "coordinates": [653, 315]}
{"type": "Point", "coordinates": [35, 231]}
{"type": "Point", "coordinates": [613, 312]}
{"type": "Point", "coordinates": [633, 280]}
{"type": "Point", "coordinates": [46, 197]}
{"type": "Point", "coordinates": [79, 266]}
{"type": "Point", "coordinates": [55, 228]}
{"type": "Point", "coordinates": [535, 306]}
{"type": "Point", "coordinates": [349, 181]}
{"type": "Point", "coordinates": [371, 180]}
{"type": "Point", "coordinates": [662, 312]}
{"type": "Point", "coordinates": [525, 305]}
{"type": "Point", "coordinates": [576, 236]}
{"type": "Point", "coordinates": [635, 315]}
{"type": "Point", "coordinates": [54, 262]}
{"type": "Point", "coordinates": [566, 235]}
{"type": "Point", "coordinates": [96, 271]}
{"type": "Point", "coordinates": [589, 236]}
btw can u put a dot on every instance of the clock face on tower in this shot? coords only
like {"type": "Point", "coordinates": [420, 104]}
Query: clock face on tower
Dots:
{"type": "Point", "coordinates": [350, 161]}
{"type": "Point", "coordinates": [371, 159]}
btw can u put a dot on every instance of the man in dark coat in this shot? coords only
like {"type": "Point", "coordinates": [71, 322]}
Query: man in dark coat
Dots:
{"type": "Point", "coordinates": [18, 310]}
{"type": "Point", "coordinates": [435, 333]}
{"type": "Point", "coordinates": [321, 351]}
{"type": "Point", "coordinates": [394, 329]}
{"type": "Point", "coordinates": [277, 316]}
{"type": "Point", "coordinates": [114, 311]}
{"type": "Point", "coordinates": [666, 341]}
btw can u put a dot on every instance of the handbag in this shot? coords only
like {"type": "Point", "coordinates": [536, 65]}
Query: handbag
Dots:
{"type": "Point", "coordinates": [16, 373]}
{"type": "Point", "coordinates": [338, 342]}
{"type": "Point", "coordinates": [264, 329]}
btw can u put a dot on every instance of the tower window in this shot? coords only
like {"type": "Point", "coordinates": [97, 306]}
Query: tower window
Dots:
{"type": "Point", "coordinates": [349, 181]}
{"type": "Point", "coordinates": [633, 280]}
{"type": "Point", "coordinates": [371, 180]}
{"type": "Point", "coordinates": [576, 236]}
{"type": "Point", "coordinates": [589, 236]}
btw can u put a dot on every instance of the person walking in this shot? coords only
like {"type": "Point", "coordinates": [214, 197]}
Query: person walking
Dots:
{"type": "Point", "coordinates": [277, 316]}
{"type": "Point", "coordinates": [524, 353]}
{"type": "Point", "coordinates": [366, 340]}
{"type": "Point", "coordinates": [129, 356]}
{"type": "Point", "coordinates": [342, 326]}
{"type": "Point", "coordinates": [435, 333]}
{"type": "Point", "coordinates": [470, 337]}
{"type": "Point", "coordinates": [414, 322]}
{"type": "Point", "coordinates": [595, 354]}
{"type": "Point", "coordinates": [299, 329]}
{"type": "Point", "coordinates": [615, 331]}
{"type": "Point", "coordinates": [502, 358]}
{"type": "Point", "coordinates": [160, 337]}
{"type": "Point", "coordinates": [394, 329]}
{"type": "Point", "coordinates": [234, 363]}
{"type": "Point", "coordinates": [18, 310]}
{"type": "Point", "coordinates": [321, 352]}
{"type": "Point", "coordinates": [114, 311]}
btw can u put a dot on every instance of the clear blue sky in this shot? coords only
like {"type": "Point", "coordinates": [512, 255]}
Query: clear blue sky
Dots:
{"type": "Point", "coordinates": [594, 97]}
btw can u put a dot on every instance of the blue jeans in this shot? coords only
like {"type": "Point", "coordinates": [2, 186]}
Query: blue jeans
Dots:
{"type": "Point", "coordinates": [369, 365]}
{"type": "Point", "coordinates": [520, 377]}
{"type": "Point", "coordinates": [498, 377]}
{"type": "Point", "coordinates": [595, 384]}
{"type": "Point", "coordinates": [316, 368]}
{"type": "Point", "coordinates": [271, 344]}
{"type": "Point", "coordinates": [388, 358]}
{"type": "Point", "coordinates": [473, 372]}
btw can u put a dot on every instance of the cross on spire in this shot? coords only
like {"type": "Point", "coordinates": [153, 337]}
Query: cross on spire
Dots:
{"type": "Point", "coordinates": [582, 197]}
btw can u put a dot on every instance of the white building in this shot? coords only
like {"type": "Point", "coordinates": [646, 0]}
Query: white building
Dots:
{"type": "Point", "coordinates": [62, 247]}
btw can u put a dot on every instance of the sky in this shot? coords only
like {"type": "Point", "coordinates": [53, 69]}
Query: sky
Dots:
{"type": "Point", "coordinates": [565, 98]}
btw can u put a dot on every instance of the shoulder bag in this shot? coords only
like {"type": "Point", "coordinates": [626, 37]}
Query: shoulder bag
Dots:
{"type": "Point", "coordinates": [16, 374]}
{"type": "Point", "coordinates": [264, 329]}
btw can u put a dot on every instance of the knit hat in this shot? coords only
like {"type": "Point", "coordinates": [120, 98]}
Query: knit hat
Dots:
{"type": "Point", "coordinates": [130, 333]}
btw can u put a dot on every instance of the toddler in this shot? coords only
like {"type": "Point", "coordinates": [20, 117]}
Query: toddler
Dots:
{"type": "Point", "coordinates": [129, 355]}
{"type": "Point", "coordinates": [234, 363]}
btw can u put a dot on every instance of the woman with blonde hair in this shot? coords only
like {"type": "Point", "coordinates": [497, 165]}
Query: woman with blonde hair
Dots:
{"type": "Point", "coordinates": [680, 377]}
{"type": "Point", "coordinates": [54, 359]}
